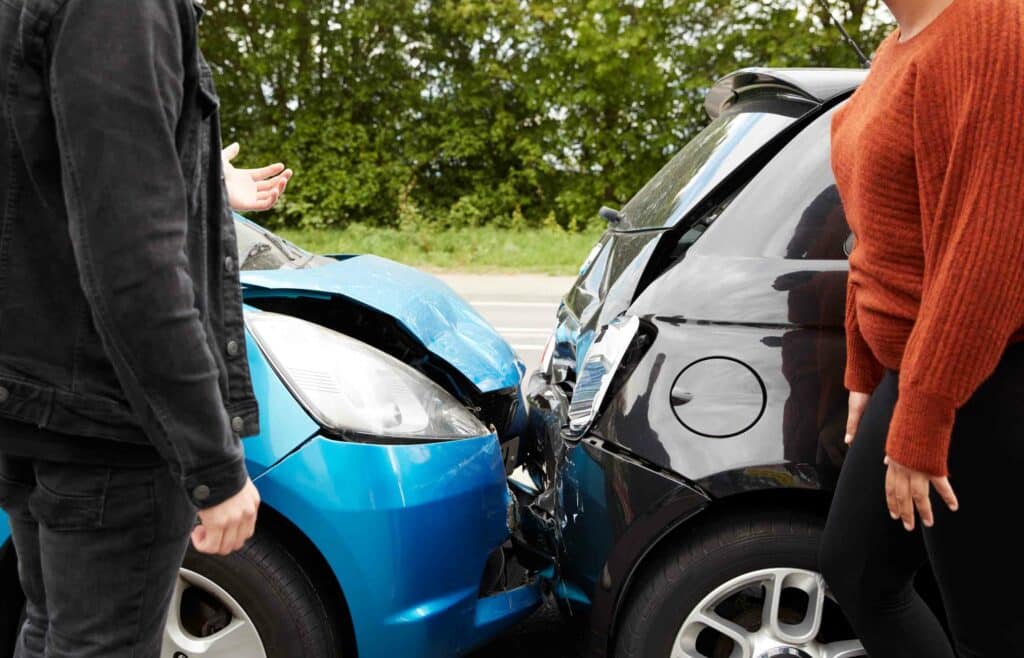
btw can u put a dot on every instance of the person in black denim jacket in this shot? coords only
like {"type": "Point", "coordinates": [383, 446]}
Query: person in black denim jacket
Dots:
{"type": "Point", "coordinates": [124, 382]}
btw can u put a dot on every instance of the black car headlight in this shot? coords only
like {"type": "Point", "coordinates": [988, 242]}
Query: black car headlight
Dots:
{"type": "Point", "coordinates": [355, 390]}
{"type": "Point", "coordinates": [598, 370]}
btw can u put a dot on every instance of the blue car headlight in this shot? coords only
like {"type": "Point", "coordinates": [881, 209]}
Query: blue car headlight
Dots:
{"type": "Point", "coordinates": [355, 390]}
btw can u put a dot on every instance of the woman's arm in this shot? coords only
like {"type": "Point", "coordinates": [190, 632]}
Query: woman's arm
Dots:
{"type": "Point", "coordinates": [973, 287]}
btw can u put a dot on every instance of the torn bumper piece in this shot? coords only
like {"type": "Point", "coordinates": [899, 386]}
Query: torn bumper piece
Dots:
{"type": "Point", "coordinates": [593, 510]}
{"type": "Point", "coordinates": [537, 535]}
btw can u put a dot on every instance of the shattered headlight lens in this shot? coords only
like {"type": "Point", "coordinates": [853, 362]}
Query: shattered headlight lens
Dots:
{"type": "Point", "coordinates": [600, 366]}
{"type": "Point", "coordinates": [356, 390]}
{"type": "Point", "coordinates": [557, 361]}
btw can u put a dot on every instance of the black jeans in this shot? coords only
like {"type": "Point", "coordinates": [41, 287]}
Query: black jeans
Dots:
{"type": "Point", "coordinates": [98, 553]}
{"type": "Point", "coordinates": [869, 560]}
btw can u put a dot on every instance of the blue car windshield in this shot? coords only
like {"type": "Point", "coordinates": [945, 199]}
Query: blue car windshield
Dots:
{"type": "Point", "coordinates": [705, 160]}
{"type": "Point", "coordinates": [259, 249]}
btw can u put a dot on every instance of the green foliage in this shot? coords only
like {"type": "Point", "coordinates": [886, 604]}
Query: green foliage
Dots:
{"type": "Point", "coordinates": [507, 113]}
{"type": "Point", "coordinates": [482, 249]}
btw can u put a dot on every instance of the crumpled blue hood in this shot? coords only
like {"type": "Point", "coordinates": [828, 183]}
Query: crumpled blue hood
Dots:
{"type": "Point", "coordinates": [431, 311]}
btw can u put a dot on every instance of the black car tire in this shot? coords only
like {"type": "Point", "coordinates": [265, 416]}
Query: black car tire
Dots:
{"type": "Point", "coordinates": [276, 594]}
{"type": "Point", "coordinates": [12, 602]}
{"type": "Point", "coordinates": [680, 577]}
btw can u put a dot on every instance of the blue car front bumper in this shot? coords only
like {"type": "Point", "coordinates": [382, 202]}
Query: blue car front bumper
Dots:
{"type": "Point", "coordinates": [407, 531]}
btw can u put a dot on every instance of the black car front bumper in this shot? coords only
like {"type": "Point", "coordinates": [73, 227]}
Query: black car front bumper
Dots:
{"type": "Point", "coordinates": [593, 511]}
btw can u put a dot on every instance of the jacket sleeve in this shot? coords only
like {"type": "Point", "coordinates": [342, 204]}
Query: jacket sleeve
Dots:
{"type": "Point", "coordinates": [863, 370]}
{"type": "Point", "coordinates": [973, 287]}
{"type": "Point", "coordinates": [116, 87]}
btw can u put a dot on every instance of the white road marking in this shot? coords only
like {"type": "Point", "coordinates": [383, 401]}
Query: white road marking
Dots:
{"type": "Point", "coordinates": [516, 304]}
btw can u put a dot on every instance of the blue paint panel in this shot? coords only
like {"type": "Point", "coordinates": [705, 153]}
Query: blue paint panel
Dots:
{"type": "Point", "coordinates": [431, 311]}
{"type": "Point", "coordinates": [407, 531]}
{"type": "Point", "coordinates": [284, 423]}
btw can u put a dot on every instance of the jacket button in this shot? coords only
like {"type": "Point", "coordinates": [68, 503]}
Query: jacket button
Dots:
{"type": "Point", "coordinates": [200, 493]}
{"type": "Point", "coordinates": [229, 264]}
{"type": "Point", "coordinates": [4, 394]}
{"type": "Point", "coordinates": [232, 348]}
{"type": "Point", "coordinates": [237, 424]}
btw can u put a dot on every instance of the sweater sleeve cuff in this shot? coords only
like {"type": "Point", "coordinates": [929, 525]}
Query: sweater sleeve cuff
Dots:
{"type": "Point", "coordinates": [863, 371]}
{"type": "Point", "coordinates": [919, 431]}
{"type": "Point", "coordinates": [212, 486]}
{"type": "Point", "coordinates": [861, 379]}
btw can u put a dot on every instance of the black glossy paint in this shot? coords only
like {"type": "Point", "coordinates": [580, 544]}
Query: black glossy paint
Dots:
{"type": "Point", "coordinates": [764, 286]}
{"type": "Point", "coordinates": [609, 284]}
{"type": "Point", "coordinates": [614, 505]}
{"type": "Point", "coordinates": [749, 301]}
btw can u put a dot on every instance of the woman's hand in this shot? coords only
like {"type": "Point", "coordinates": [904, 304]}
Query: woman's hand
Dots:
{"type": "Point", "coordinates": [856, 406]}
{"type": "Point", "coordinates": [253, 189]}
{"type": "Point", "coordinates": [906, 488]}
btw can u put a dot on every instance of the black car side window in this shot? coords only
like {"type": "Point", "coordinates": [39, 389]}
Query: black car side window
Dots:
{"type": "Point", "coordinates": [791, 209]}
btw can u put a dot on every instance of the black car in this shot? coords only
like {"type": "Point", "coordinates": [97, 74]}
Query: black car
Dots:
{"type": "Point", "coordinates": [689, 413]}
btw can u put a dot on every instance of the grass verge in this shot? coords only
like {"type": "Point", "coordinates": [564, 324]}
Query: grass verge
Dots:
{"type": "Point", "coordinates": [484, 249]}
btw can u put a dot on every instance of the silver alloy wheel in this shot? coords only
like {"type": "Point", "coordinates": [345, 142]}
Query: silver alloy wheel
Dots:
{"type": "Point", "coordinates": [238, 638]}
{"type": "Point", "coordinates": [773, 636]}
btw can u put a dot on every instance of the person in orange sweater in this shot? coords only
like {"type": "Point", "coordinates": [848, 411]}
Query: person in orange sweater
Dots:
{"type": "Point", "coordinates": [928, 156]}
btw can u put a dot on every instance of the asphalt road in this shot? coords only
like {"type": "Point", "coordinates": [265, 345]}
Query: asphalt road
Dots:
{"type": "Point", "coordinates": [543, 635]}
{"type": "Point", "coordinates": [522, 309]}
{"type": "Point", "coordinates": [521, 306]}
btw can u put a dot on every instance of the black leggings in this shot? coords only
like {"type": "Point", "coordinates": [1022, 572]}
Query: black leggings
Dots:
{"type": "Point", "coordinates": [870, 561]}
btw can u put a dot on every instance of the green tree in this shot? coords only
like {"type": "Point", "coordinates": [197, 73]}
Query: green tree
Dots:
{"type": "Point", "coordinates": [504, 112]}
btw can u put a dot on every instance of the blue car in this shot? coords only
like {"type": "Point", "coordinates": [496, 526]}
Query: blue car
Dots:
{"type": "Point", "coordinates": [389, 412]}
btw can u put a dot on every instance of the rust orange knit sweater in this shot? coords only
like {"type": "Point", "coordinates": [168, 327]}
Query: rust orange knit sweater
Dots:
{"type": "Point", "coordinates": [928, 156]}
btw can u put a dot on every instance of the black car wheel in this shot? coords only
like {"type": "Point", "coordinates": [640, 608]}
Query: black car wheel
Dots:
{"type": "Point", "coordinates": [741, 586]}
{"type": "Point", "coordinates": [256, 602]}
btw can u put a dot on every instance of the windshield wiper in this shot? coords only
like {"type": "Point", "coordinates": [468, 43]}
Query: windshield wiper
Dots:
{"type": "Point", "coordinates": [281, 245]}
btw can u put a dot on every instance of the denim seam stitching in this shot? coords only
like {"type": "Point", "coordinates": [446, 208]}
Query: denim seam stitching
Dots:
{"type": "Point", "coordinates": [12, 143]}
{"type": "Point", "coordinates": [151, 490]}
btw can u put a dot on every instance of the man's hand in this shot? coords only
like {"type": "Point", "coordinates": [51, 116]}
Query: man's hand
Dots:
{"type": "Point", "coordinates": [253, 189]}
{"type": "Point", "coordinates": [906, 488]}
{"type": "Point", "coordinates": [856, 406]}
{"type": "Point", "coordinates": [225, 527]}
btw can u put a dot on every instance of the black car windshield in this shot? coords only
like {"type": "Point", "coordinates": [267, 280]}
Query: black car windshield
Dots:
{"type": "Point", "coordinates": [705, 160]}
{"type": "Point", "coordinates": [259, 249]}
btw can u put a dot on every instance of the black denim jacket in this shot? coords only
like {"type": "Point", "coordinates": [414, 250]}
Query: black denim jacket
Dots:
{"type": "Point", "coordinates": [120, 305]}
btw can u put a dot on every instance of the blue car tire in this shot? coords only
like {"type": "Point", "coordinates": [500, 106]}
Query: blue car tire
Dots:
{"type": "Point", "coordinates": [263, 591]}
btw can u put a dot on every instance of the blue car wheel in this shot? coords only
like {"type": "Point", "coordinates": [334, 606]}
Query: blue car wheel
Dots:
{"type": "Point", "coordinates": [257, 602]}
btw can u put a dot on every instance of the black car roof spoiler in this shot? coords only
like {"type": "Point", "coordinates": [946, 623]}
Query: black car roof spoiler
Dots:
{"type": "Point", "coordinates": [808, 85]}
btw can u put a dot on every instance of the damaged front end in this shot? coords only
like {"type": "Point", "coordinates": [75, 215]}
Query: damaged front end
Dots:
{"type": "Point", "coordinates": [343, 334]}
{"type": "Point", "coordinates": [562, 407]}
{"type": "Point", "coordinates": [411, 316]}
{"type": "Point", "coordinates": [589, 508]}
{"type": "Point", "coordinates": [535, 482]}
